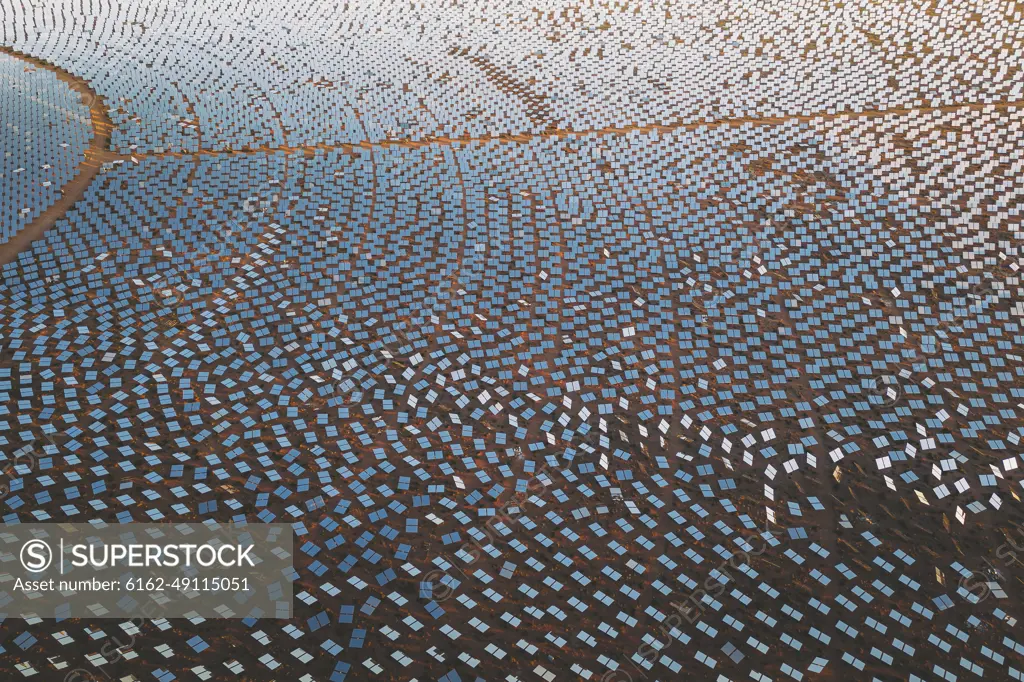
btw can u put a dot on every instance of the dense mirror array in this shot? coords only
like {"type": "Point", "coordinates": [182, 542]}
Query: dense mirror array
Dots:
{"type": "Point", "coordinates": [615, 341]}
{"type": "Point", "coordinates": [45, 132]}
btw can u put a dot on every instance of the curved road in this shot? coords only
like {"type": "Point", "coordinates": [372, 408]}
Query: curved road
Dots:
{"type": "Point", "coordinates": [96, 154]}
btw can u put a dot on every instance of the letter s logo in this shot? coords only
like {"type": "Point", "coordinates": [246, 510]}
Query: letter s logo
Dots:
{"type": "Point", "coordinates": [36, 556]}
